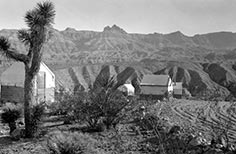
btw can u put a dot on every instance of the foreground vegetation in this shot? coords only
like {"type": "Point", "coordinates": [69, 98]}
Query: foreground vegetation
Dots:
{"type": "Point", "coordinates": [133, 126]}
{"type": "Point", "coordinates": [39, 22]}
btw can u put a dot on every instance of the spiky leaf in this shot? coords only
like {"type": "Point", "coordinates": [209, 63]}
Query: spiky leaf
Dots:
{"type": "Point", "coordinates": [42, 15]}
{"type": "Point", "coordinates": [4, 43]}
{"type": "Point", "coordinates": [46, 11]}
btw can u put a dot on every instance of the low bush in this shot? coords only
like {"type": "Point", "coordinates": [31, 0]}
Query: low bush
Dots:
{"type": "Point", "coordinates": [11, 113]}
{"type": "Point", "coordinates": [97, 107]}
{"type": "Point", "coordinates": [37, 113]}
{"type": "Point", "coordinates": [103, 106]}
{"type": "Point", "coordinates": [63, 105]}
{"type": "Point", "coordinates": [71, 143]}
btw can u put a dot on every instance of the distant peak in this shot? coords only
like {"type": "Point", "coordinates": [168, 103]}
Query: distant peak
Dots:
{"type": "Point", "coordinates": [115, 29]}
{"type": "Point", "coordinates": [70, 29]}
{"type": "Point", "coordinates": [107, 28]}
{"type": "Point", "coordinates": [177, 33]}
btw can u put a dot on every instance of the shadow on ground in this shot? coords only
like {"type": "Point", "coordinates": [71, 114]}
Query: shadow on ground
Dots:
{"type": "Point", "coordinates": [5, 140]}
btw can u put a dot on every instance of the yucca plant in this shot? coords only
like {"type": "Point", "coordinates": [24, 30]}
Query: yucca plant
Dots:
{"type": "Point", "coordinates": [37, 113]}
{"type": "Point", "coordinates": [39, 21]}
{"type": "Point", "coordinates": [11, 113]}
{"type": "Point", "coordinates": [103, 103]}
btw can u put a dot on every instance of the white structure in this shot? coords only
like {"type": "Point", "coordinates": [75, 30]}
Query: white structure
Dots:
{"type": "Point", "coordinates": [128, 89]}
{"type": "Point", "coordinates": [156, 85]}
{"type": "Point", "coordinates": [12, 83]}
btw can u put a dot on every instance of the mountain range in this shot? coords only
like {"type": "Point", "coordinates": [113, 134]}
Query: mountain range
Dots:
{"type": "Point", "coordinates": [203, 62]}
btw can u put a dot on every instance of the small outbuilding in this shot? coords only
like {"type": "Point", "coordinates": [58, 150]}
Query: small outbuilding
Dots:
{"type": "Point", "coordinates": [156, 86]}
{"type": "Point", "coordinates": [178, 89]}
{"type": "Point", "coordinates": [128, 89]}
{"type": "Point", "coordinates": [12, 83]}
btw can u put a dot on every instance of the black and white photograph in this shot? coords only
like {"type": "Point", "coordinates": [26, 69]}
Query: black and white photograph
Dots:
{"type": "Point", "coordinates": [117, 76]}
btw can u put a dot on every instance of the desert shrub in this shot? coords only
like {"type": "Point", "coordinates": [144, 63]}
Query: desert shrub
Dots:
{"type": "Point", "coordinates": [161, 136]}
{"type": "Point", "coordinates": [102, 105]}
{"type": "Point", "coordinates": [118, 142]}
{"type": "Point", "coordinates": [106, 105]}
{"type": "Point", "coordinates": [94, 107]}
{"type": "Point", "coordinates": [54, 109]}
{"type": "Point", "coordinates": [85, 110]}
{"type": "Point", "coordinates": [37, 113]}
{"type": "Point", "coordinates": [114, 107]}
{"type": "Point", "coordinates": [71, 143]}
{"type": "Point", "coordinates": [11, 113]}
{"type": "Point", "coordinates": [151, 122]}
{"type": "Point", "coordinates": [209, 95]}
{"type": "Point", "coordinates": [63, 105]}
{"type": "Point", "coordinates": [155, 131]}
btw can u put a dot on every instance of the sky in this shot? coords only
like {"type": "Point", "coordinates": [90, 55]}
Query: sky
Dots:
{"type": "Point", "coordinates": [134, 16]}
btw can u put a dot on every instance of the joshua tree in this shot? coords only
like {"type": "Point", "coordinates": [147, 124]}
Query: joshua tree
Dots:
{"type": "Point", "coordinates": [39, 20]}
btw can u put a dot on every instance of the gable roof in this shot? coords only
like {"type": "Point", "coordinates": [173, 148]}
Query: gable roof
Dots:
{"type": "Point", "coordinates": [15, 74]}
{"type": "Point", "coordinates": [158, 80]}
{"type": "Point", "coordinates": [42, 63]}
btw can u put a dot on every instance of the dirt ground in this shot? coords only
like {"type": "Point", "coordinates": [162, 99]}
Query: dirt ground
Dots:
{"type": "Point", "coordinates": [206, 115]}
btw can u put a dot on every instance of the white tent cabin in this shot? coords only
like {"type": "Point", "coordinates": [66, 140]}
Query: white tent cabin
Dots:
{"type": "Point", "coordinates": [128, 89]}
{"type": "Point", "coordinates": [12, 83]}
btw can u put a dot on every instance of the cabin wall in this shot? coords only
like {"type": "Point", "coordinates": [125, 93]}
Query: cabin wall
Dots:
{"type": "Point", "coordinates": [153, 90]}
{"type": "Point", "coordinates": [151, 97]}
{"type": "Point", "coordinates": [16, 94]}
{"type": "Point", "coordinates": [47, 95]}
{"type": "Point", "coordinates": [12, 93]}
{"type": "Point", "coordinates": [178, 91]}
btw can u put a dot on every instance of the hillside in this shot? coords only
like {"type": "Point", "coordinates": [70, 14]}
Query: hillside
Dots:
{"type": "Point", "coordinates": [83, 76]}
{"type": "Point", "coordinates": [77, 57]}
{"type": "Point", "coordinates": [195, 78]}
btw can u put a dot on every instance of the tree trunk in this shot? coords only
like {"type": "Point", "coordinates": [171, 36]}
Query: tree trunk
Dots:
{"type": "Point", "coordinates": [29, 100]}
{"type": "Point", "coordinates": [12, 126]}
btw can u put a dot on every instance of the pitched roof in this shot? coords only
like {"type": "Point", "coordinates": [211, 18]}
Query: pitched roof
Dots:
{"type": "Point", "coordinates": [42, 63]}
{"type": "Point", "coordinates": [160, 80]}
{"type": "Point", "coordinates": [14, 75]}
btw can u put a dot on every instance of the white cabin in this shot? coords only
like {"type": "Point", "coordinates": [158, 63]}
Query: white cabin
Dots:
{"type": "Point", "coordinates": [12, 83]}
{"type": "Point", "coordinates": [128, 89]}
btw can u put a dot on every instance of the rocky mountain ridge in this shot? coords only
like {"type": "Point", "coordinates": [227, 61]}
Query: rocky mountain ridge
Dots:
{"type": "Point", "coordinates": [77, 57]}
{"type": "Point", "coordinates": [114, 44]}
